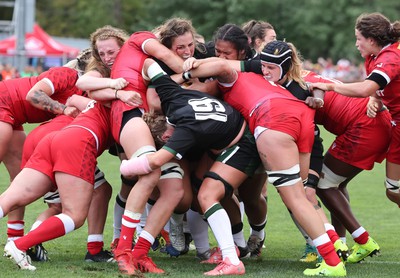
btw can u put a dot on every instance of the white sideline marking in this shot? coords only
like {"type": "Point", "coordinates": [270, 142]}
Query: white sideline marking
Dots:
{"type": "Point", "coordinates": [363, 262]}
{"type": "Point", "coordinates": [380, 262]}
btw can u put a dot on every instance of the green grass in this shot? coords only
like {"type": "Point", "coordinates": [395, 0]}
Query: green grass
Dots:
{"type": "Point", "coordinates": [284, 244]}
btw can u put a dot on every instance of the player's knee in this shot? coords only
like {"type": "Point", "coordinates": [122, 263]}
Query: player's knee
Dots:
{"type": "Point", "coordinates": [129, 181]}
{"type": "Point", "coordinates": [312, 181]}
{"type": "Point", "coordinates": [329, 179]}
{"type": "Point", "coordinates": [311, 197]}
{"type": "Point", "coordinates": [227, 186]}
{"type": "Point", "coordinates": [286, 177]}
{"type": "Point", "coordinates": [394, 197]}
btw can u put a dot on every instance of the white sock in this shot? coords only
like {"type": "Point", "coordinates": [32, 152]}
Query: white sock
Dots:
{"type": "Point", "coordinates": [199, 231]}
{"type": "Point", "coordinates": [241, 208]}
{"type": "Point", "coordinates": [69, 224]}
{"type": "Point", "coordinates": [238, 238]}
{"type": "Point", "coordinates": [186, 229]}
{"type": "Point", "coordinates": [147, 236]}
{"type": "Point", "coordinates": [322, 239]}
{"type": "Point", "coordinates": [148, 208]}
{"type": "Point", "coordinates": [221, 226]}
{"type": "Point", "coordinates": [358, 232]}
{"type": "Point", "coordinates": [328, 227]}
{"type": "Point", "coordinates": [118, 212]}
{"type": "Point", "coordinates": [261, 233]}
{"type": "Point", "coordinates": [95, 237]}
{"type": "Point", "coordinates": [143, 219]}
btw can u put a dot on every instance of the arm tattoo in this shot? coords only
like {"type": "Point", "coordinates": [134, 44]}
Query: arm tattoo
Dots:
{"type": "Point", "coordinates": [42, 101]}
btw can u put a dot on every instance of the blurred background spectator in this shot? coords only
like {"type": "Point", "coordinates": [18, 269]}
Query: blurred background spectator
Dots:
{"type": "Point", "coordinates": [344, 70]}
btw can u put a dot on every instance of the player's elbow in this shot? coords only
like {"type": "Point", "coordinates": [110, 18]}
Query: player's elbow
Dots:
{"type": "Point", "coordinates": [80, 84]}
{"type": "Point", "coordinates": [366, 93]}
{"type": "Point", "coordinates": [30, 97]}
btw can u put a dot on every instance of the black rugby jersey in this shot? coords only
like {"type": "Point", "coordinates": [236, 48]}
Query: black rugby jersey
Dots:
{"type": "Point", "coordinates": [200, 120]}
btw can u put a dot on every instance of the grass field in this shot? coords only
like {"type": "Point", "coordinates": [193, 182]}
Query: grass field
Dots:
{"type": "Point", "coordinates": [284, 244]}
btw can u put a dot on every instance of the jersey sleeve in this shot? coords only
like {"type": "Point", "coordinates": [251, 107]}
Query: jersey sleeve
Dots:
{"type": "Point", "coordinates": [61, 78]}
{"type": "Point", "coordinates": [252, 65]}
{"type": "Point", "coordinates": [138, 39]}
{"type": "Point", "coordinates": [180, 142]}
{"type": "Point", "coordinates": [386, 68]}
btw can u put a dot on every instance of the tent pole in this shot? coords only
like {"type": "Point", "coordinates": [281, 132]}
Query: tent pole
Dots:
{"type": "Point", "coordinates": [24, 17]}
{"type": "Point", "coordinates": [20, 30]}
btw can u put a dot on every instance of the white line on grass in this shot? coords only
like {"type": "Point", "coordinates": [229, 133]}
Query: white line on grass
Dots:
{"type": "Point", "coordinates": [363, 262]}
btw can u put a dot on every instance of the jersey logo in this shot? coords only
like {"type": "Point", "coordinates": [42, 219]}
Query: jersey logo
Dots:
{"type": "Point", "coordinates": [208, 109]}
{"type": "Point", "coordinates": [89, 106]}
{"type": "Point", "coordinates": [380, 93]}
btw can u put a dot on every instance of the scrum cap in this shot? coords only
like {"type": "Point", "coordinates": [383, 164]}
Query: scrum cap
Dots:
{"type": "Point", "coordinates": [83, 58]}
{"type": "Point", "coordinates": [277, 53]}
{"type": "Point", "coordinates": [80, 62]}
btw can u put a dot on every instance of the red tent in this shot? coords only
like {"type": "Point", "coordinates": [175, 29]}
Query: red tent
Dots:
{"type": "Point", "coordinates": [38, 44]}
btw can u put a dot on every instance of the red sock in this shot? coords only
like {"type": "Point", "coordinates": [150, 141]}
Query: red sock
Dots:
{"type": "Point", "coordinates": [15, 229]}
{"type": "Point", "coordinates": [363, 238]}
{"type": "Point", "coordinates": [95, 247]}
{"type": "Point", "coordinates": [142, 248]}
{"type": "Point", "coordinates": [328, 253]}
{"type": "Point", "coordinates": [51, 228]}
{"type": "Point", "coordinates": [126, 237]}
{"type": "Point", "coordinates": [333, 236]}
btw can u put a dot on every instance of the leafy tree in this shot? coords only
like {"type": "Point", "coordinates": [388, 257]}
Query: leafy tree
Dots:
{"type": "Point", "coordinates": [319, 28]}
{"type": "Point", "coordinates": [79, 18]}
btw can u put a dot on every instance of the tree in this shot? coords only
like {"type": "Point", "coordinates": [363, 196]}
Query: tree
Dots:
{"type": "Point", "coordinates": [319, 28]}
{"type": "Point", "coordinates": [79, 18]}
